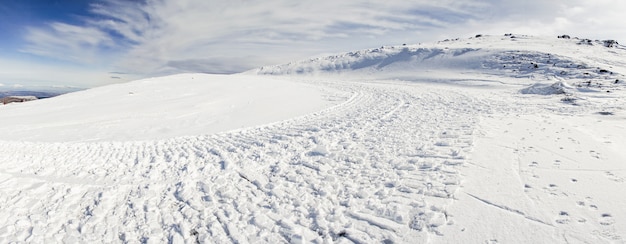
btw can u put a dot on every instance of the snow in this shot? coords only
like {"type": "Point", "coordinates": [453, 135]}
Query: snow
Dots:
{"type": "Point", "coordinates": [164, 107]}
{"type": "Point", "coordinates": [456, 141]}
{"type": "Point", "coordinates": [549, 173]}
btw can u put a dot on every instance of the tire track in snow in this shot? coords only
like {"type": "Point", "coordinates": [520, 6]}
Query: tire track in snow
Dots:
{"type": "Point", "coordinates": [381, 166]}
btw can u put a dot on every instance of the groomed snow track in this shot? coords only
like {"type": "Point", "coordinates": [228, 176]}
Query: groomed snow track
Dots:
{"type": "Point", "coordinates": [381, 167]}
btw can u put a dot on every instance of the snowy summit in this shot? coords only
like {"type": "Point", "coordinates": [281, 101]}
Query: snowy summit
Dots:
{"type": "Point", "coordinates": [488, 139]}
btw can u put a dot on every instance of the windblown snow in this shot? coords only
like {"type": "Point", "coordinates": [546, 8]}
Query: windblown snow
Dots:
{"type": "Point", "coordinates": [494, 139]}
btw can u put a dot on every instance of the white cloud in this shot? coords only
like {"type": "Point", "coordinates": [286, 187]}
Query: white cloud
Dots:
{"type": "Point", "coordinates": [67, 42]}
{"type": "Point", "coordinates": [590, 19]}
{"type": "Point", "coordinates": [161, 36]}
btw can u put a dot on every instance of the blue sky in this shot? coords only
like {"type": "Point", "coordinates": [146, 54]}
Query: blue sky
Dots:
{"type": "Point", "coordinates": [90, 43]}
{"type": "Point", "coordinates": [18, 13]}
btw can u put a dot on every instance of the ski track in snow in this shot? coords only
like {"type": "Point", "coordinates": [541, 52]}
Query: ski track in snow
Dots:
{"type": "Point", "coordinates": [346, 173]}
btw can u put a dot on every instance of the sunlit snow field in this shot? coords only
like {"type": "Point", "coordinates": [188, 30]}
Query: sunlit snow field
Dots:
{"type": "Point", "coordinates": [497, 139]}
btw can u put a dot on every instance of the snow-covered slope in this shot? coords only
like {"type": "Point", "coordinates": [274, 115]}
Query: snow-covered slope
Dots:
{"type": "Point", "coordinates": [457, 141]}
{"type": "Point", "coordinates": [538, 58]}
{"type": "Point", "coordinates": [158, 108]}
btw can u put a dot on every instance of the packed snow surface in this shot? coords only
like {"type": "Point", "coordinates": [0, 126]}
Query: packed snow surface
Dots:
{"type": "Point", "coordinates": [480, 140]}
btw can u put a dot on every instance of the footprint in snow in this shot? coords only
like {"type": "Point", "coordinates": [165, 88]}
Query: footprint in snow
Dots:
{"type": "Point", "coordinates": [563, 218]}
{"type": "Point", "coordinates": [607, 219]}
{"type": "Point", "coordinates": [614, 177]}
{"type": "Point", "coordinates": [527, 186]}
{"type": "Point", "coordinates": [492, 241]}
{"type": "Point", "coordinates": [585, 204]}
{"type": "Point", "coordinates": [553, 190]}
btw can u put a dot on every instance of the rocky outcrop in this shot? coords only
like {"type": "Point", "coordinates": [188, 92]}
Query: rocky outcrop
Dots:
{"type": "Point", "coordinates": [17, 99]}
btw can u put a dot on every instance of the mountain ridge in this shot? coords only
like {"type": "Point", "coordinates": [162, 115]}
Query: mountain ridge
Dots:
{"type": "Point", "coordinates": [510, 55]}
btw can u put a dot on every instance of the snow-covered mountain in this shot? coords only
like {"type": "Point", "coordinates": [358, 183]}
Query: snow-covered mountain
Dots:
{"type": "Point", "coordinates": [490, 139]}
{"type": "Point", "coordinates": [541, 65]}
{"type": "Point", "coordinates": [579, 62]}
{"type": "Point", "coordinates": [509, 55]}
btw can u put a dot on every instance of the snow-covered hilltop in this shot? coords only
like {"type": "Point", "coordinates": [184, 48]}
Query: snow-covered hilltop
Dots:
{"type": "Point", "coordinates": [580, 62]}
{"type": "Point", "coordinates": [490, 139]}
{"type": "Point", "coordinates": [163, 107]}
{"type": "Point", "coordinates": [502, 55]}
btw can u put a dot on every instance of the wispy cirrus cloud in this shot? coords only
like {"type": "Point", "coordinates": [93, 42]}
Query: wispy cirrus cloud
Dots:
{"type": "Point", "coordinates": [67, 42]}
{"type": "Point", "coordinates": [160, 36]}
